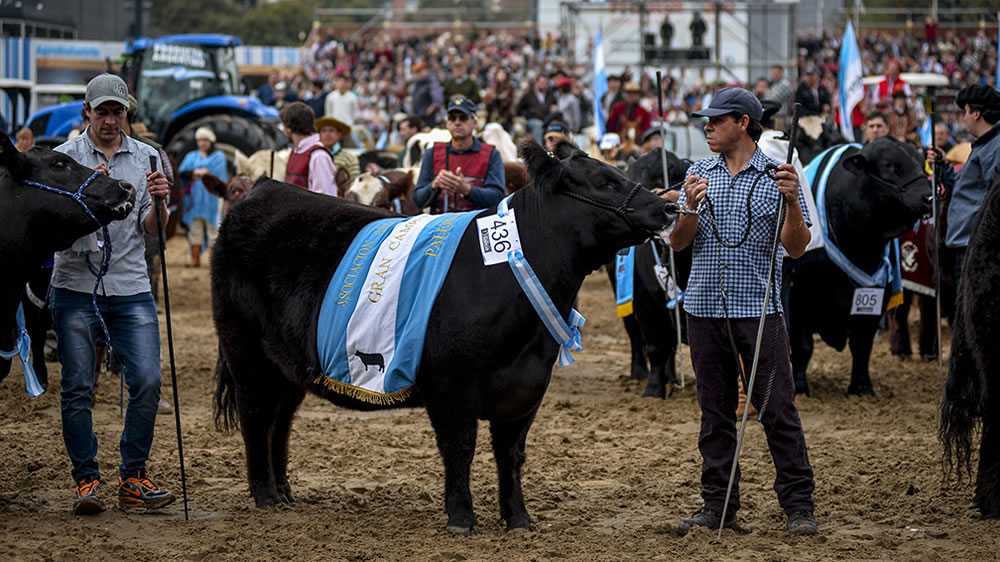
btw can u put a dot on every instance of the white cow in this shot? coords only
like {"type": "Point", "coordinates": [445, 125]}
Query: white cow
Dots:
{"type": "Point", "coordinates": [260, 164]}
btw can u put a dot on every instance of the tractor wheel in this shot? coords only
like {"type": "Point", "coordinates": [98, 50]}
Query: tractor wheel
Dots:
{"type": "Point", "coordinates": [231, 132]}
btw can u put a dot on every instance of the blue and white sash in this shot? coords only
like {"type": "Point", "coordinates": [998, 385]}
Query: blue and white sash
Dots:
{"type": "Point", "coordinates": [22, 350]}
{"type": "Point", "coordinates": [883, 274]}
{"type": "Point", "coordinates": [566, 334]}
{"type": "Point", "coordinates": [372, 323]}
{"type": "Point", "coordinates": [624, 281]}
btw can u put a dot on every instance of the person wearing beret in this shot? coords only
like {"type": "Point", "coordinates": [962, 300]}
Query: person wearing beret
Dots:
{"type": "Point", "coordinates": [981, 107]}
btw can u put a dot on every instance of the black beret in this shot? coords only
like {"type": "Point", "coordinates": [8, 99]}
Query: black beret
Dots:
{"type": "Point", "coordinates": [985, 96]}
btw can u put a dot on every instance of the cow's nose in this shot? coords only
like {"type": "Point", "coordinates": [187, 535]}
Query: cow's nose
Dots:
{"type": "Point", "coordinates": [670, 208]}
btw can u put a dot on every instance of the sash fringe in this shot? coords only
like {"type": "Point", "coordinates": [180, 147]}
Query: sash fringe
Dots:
{"type": "Point", "coordinates": [363, 394]}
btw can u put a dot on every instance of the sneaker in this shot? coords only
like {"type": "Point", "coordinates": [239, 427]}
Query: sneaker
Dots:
{"type": "Point", "coordinates": [802, 523]}
{"type": "Point", "coordinates": [705, 517]}
{"type": "Point", "coordinates": [88, 497]}
{"type": "Point", "coordinates": [138, 490]}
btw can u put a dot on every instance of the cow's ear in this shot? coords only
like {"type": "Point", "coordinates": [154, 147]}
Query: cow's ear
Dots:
{"type": "Point", "coordinates": [544, 167]}
{"type": "Point", "coordinates": [857, 164]}
{"type": "Point", "coordinates": [9, 155]}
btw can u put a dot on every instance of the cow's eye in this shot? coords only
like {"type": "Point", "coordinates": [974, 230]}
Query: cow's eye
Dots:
{"type": "Point", "coordinates": [59, 165]}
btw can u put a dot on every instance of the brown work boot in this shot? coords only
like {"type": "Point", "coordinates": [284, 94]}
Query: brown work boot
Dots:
{"type": "Point", "coordinates": [195, 256]}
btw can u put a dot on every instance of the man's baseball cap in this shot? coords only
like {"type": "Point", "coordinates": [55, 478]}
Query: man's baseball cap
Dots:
{"type": "Point", "coordinates": [558, 127]}
{"type": "Point", "coordinates": [106, 87]}
{"type": "Point", "coordinates": [733, 100]}
{"type": "Point", "coordinates": [465, 105]}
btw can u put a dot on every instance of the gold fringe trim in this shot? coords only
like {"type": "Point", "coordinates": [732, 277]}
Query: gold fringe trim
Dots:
{"type": "Point", "coordinates": [894, 301]}
{"type": "Point", "coordinates": [363, 394]}
{"type": "Point", "coordinates": [624, 309]}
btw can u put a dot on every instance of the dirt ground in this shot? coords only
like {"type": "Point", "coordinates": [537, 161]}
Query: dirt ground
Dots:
{"type": "Point", "coordinates": [608, 473]}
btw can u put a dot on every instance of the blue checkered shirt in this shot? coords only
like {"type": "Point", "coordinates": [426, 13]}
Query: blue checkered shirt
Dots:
{"type": "Point", "coordinates": [744, 269]}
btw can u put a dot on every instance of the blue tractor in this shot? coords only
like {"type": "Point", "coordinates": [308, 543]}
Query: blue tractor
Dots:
{"type": "Point", "coordinates": [182, 82]}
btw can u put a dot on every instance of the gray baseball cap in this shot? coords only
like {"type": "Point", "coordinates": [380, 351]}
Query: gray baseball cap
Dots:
{"type": "Point", "coordinates": [106, 87]}
{"type": "Point", "coordinates": [733, 100]}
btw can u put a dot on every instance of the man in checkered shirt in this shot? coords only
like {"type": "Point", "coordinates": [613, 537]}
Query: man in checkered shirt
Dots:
{"type": "Point", "coordinates": [726, 288]}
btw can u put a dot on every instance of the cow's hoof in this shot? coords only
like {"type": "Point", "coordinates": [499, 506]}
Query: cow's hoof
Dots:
{"type": "Point", "coordinates": [657, 391]}
{"type": "Point", "coordinates": [521, 522]}
{"type": "Point", "coordinates": [639, 373]}
{"type": "Point", "coordinates": [861, 391]}
{"type": "Point", "coordinates": [464, 531]}
{"type": "Point", "coordinates": [802, 387]}
{"type": "Point", "coordinates": [268, 501]}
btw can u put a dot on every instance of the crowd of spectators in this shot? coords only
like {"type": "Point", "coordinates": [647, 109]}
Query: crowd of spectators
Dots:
{"type": "Point", "coordinates": [374, 82]}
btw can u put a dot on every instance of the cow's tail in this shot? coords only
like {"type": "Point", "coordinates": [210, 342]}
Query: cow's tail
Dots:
{"type": "Point", "coordinates": [226, 417]}
{"type": "Point", "coordinates": [961, 408]}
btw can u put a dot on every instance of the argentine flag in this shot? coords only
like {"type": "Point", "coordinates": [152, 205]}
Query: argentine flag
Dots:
{"type": "Point", "coordinates": [600, 84]}
{"type": "Point", "coordinates": [927, 132]}
{"type": "Point", "coordinates": [849, 76]}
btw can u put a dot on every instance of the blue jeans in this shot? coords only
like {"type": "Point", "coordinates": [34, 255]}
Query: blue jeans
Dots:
{"type": "Point", "coordinates": [135, 335]}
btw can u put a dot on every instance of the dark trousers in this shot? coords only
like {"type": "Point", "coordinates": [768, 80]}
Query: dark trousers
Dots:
{"type": "Point", "coordinates": [718, 395]}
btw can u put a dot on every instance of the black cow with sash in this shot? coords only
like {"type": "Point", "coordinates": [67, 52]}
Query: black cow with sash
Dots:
{"type": "Point", "coordinates": [47, 201]}
{"type": "Point", "coordinates": [865, 197]}
{"type": "Point", "coordinates": [648, 315]}
{"type": "Point", "coordinates": [296, 276]}
{"type": "Point", "coordinates": [972, 393]}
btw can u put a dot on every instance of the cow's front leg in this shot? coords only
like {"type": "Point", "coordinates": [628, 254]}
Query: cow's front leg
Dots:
{"type": "Point", "coordinates": [861, 352]}
{"type": "Point", "coordinates": [662, 373]}
{"type": "Point", "coordinates": [638, 344]}
{"type": "Point", "coordinates": [801, 353]}
{"type": "Point", "coordinates": [455, 430]}
{"type": "Point", "coordinates": [508, 450]}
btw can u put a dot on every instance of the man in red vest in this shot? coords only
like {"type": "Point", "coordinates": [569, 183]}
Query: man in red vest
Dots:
{"type": "Point", "coordinates": [462, 175]}
{"type": "Point", "coordinates": [880, 97]}
{"type": "Point", "coordinates": [310, 165]}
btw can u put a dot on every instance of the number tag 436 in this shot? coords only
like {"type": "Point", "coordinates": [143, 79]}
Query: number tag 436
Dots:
{"type": "Point", "coordinates": [497, 236]}
{"type": "Point", "coordinates": [867, 301]}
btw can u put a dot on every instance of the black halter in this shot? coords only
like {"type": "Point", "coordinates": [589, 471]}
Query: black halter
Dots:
{"type": "Point", "coordinates": [622, 210]}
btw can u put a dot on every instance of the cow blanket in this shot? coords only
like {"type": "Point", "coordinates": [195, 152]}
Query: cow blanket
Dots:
{"type": "Point", "coordinates": [370, 334]}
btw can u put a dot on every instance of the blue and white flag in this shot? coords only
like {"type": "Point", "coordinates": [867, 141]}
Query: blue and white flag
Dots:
{"type": "Point", "coordinates": [927, 132]}
{"type": "Point", "coordinates": [624, 271]}
{"type": "Point", "coordinates": [371, 327]}
{"type": "Point", "coordinates": [849, 76]}
{"type": "Point", "coordinates": [600, 84]}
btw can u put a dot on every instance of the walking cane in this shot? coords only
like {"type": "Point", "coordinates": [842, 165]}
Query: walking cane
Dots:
{"type": "Point", "coordinates": [792, 135]}
{"type": "Point", "coordinates": [170, 337]}
{"type": "Point", "coordinates": [934, 219]}
{"type": "Point", "coordinates": [666, 184]}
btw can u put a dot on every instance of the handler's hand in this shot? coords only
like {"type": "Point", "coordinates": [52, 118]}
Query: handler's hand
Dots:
{"type": "Point", "coordinates": [788, 183]}
{"type": "Point", "coordinates": [102, 168]}
{"type": "Point", "coordinates": [157, 184]}
{"type": "Point", "coordinates": [695, 189]}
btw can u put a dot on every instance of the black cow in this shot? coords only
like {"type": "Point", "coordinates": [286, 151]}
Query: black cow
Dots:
{"type": "Point", "coordinates": [652, 328]}
{"type": "Point", "coordinates": [972, 393]}
{"type": "Point", "coordinates": [487, 354]}
{"type": "Point", "coordinates": [874, 194]}
{"type": "Point", "coordinates": [35, 222]}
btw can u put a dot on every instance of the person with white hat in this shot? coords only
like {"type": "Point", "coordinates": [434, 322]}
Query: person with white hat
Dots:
{"type": "Point", "coordinates": [124, 300]}
{"type": "Point", "coordinates": [201, 208]}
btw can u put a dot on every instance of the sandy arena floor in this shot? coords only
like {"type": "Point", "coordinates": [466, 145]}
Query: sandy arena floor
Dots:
{"type": "Point", "coordinates": [608, 473]}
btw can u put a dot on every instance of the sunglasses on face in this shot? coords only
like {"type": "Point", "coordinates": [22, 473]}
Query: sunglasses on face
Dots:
{"type": "Point", "coordinates": [458, 117]}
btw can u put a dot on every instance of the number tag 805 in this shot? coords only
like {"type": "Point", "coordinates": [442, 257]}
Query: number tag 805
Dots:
{"type": "Point", "coordinates": [497, 237]}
